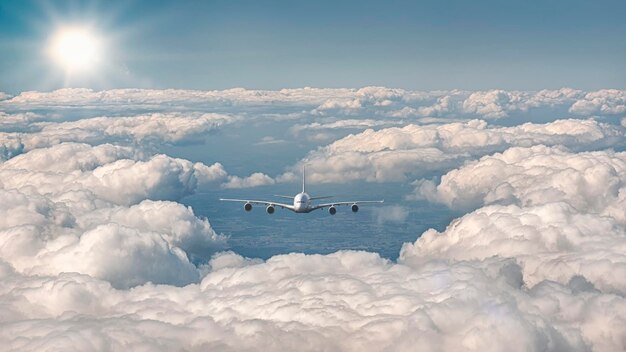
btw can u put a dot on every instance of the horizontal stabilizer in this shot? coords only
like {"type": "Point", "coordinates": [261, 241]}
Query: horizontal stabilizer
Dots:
{"type": "Point", "coordinates": [324, 197]}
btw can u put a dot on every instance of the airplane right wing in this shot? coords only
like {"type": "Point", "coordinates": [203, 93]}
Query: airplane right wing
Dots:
{"type": "Point", "coordinates": [357, 202]}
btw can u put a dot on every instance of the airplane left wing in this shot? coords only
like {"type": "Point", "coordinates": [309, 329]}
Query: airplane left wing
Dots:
{"type": "Point", "coordinates": [263, 202]}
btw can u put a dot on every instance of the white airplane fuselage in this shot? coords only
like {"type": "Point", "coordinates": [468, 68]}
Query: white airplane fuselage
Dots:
{"type": "Point", "coordinates": [302, 203]}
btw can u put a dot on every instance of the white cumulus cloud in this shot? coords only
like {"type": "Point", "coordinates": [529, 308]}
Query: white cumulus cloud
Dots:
{"type": "Point", "coordinates": [254, 180]}
{"type": "Point", "coordinates": [156, 127]}
{"type": "Point", "coordinates": [602, 102]}
{"type": "Point", "coordinates": [70, 208]}
{"type": "Point", "coordinates": [593, 182]}
{"type": "Point", "coordinates": [551, 242]}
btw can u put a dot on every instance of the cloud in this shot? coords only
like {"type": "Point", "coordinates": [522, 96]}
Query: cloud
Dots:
{"type": "Point", "coordinates": [553, 241]}
{"type": "Point", "coordinates": [152, 128]}
{"type": "Point", "coordinates": [114, 243]}
{"type": "Point", "coordinates": [341, 124]}
{"type": "Point", "coordinates": [396, 153]}
{"type": "Point", "coordinates": [591, 182]}
{"type": "Point", "coordinates": [74, 207]}
{"type": "Point", "coordinates": [108, 171]}
{"type": "Point", "coordinates": [119, 255]}
{"type": "Point", "coordinates": [17, 121]}
{"type": "Point", "coordinates": [444, 105]}
{"type": "Point", "coordinates": [560, 214]}
{"type": "Point", "coordinates": [496, 104]}
{"type": "Point", "coordinates": [602, 102]}
{"type": "Point", "coordinates": [69, 157]}
{"type": "Point", "coordinates": [176, 223]}
{"type": "Point", "coordinates": [207, 174]}
{"type": "Point", "coordinates": [254, 180]}
{"type": "Point", "coordinates": [490, 104]}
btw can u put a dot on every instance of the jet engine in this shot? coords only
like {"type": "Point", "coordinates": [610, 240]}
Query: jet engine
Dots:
{"type": "Point", "coordinates": [355, 208]}
{"type": "Point", "coordinates": [332, 210]}
{"type": "Point", "coordinates": [270, 209]}
{"type": "Point", "coordinates": [247, 207]}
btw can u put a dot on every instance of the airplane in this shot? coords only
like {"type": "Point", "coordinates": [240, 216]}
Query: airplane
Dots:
{"type": "Point", "coordinates": [301, 202]}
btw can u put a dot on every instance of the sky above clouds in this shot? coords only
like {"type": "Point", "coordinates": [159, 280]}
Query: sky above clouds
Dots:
{"type": "Point", "coordinates": [495, 132]}
{"type": "Point", "coordinates": [272, 45]}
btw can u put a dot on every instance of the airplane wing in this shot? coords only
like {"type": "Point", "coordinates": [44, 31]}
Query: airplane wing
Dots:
{"type": "Point", "coordinates": [326, 205]}
{"type": "Point", "coordinates": [263, 202]}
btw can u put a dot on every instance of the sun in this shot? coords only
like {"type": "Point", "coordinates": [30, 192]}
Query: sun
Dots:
{"type": "Point", "coordinates": [76, 49]}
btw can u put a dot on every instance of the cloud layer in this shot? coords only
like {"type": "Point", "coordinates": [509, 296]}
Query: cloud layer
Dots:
{"type": "Point", "coordinates": [155, 128]}
{"type": "Point", "coordinates": [378, 101]}
{"type": "Point", "coordinates": [397, 153]}
{"type": "Point", "coordinates": [96, 253]}
{"type": "Point", "coordinates": [548, 276]}
{"type": "Point", "coordinates": [350, 301]}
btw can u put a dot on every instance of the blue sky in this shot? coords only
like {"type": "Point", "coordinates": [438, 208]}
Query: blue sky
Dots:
{"type": "Point", "coordinates": [276, 44]}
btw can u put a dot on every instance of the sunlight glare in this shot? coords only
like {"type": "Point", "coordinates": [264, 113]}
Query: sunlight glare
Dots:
{"type": "Point", "coordinates": [75, 49]}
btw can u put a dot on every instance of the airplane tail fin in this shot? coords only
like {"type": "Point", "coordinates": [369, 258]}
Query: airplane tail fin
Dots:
{"type": "Point", "coordinates": [303, 178]}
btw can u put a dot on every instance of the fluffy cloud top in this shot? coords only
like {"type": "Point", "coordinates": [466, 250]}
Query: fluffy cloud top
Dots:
{"type": "Point", "coordinates": [350, 301]}
{"type": "Point", "coordinates": [113, 243]}
{"type": "Point", "coordinates": [567, 218]}
{"type": "Point", "coordinates": [593, 182]}
{"type": "Point", "coordinates": [602, 102]}
{"type": "Point", "coordinates": [110, 172]}
{"type": "Point", "coordinates": [497, 104]}
{"type": "Point", "coordinates": [254, 180]}
{"type": "Point", "coordinates": [68, 209]}
{"type": "Point", "coordinates": [552, 241]}
{"type": "Point", "coordinates": [156, 127]}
